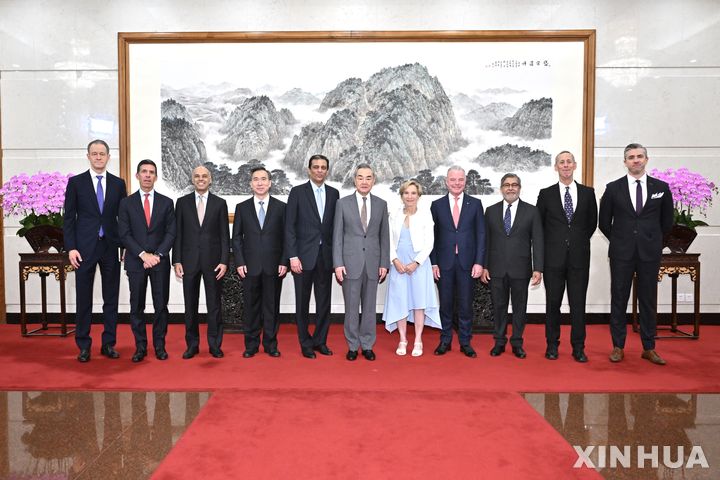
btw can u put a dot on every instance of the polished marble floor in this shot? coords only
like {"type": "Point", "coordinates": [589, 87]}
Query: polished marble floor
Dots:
{"type": "Point", "coordinates": [90, 435]}
{"type": "Point", "coordinates": [598, 422]}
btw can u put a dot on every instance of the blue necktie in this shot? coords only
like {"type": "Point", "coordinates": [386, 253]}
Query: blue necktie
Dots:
{"type": "Point", "coordinates": [506, 221]}
{"type": "Point", "coordinates": [319, 201]}
{"type": "Point", "coordinates": [568, 205]}
{"type": "Point", "coordinates": [261, 214]}
{"type": "Point", "coordinates": [101, 202]}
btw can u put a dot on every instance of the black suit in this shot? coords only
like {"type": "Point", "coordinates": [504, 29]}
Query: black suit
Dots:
{"type": "Point", "coordinates": [511, 259]}
{"type": "Point", "coordinates": [82, 223]}
{"type": "Point", "coordinates": [200, 249]}
{"type": "Point", "coordinates": [636, 243]}
{"type": "Point", "coordinates": [157, 238]}
{"type": "Point", "coordinates": [567, 258]}
{"type": "Point", "coordinates": [260, 250]}
{"type": "Point", "coordinates": [309, 238]}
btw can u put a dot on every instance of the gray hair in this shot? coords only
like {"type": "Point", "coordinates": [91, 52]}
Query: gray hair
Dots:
{"type": "Point", "coordinates": [557, 157]}
{"type": "Point", "coordinates": [633, 146]}
{"type": "Point", "coordinates": [364, 165]}
{"type": "Point", "coordinates": [456, 168]}
{"type": "Point", "coordinates": [510, 175]}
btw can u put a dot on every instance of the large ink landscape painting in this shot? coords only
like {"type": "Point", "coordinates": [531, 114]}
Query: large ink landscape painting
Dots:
{"type": "Point", "coordinates": [409, 109]}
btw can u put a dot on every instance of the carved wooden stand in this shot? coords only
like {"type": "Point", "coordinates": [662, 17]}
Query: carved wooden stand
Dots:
{"type": "Point", "coordinates": [44, 264]}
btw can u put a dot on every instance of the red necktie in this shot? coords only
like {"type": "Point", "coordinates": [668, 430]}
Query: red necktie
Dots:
{"type": "Point", "coordinates": [146, 207]}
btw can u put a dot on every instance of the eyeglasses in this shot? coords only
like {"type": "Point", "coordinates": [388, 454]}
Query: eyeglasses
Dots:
{"type": "Point", "coordinates": [510, 185]}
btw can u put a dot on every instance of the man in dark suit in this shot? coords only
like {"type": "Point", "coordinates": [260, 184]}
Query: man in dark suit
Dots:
{"type": "Point", "coordinates": [91, 237]}
{"type": "Point", "coordinates": [515, 257]}
{"type": "Point", "coordinates": [569, 214]}
{"type": "Point", "coordinates": [457, 258]}
{"type": "Point", "coordinates": [309, 220]}
{"type": "Point", "coordinates": [201, 251]}
{"type": "Point", "coordinates": [361, 256]}
{"type": "Point", "coordinates": [146, 223]}
{"type": "Point", "coordinates": [636, 210]}
{"type": "Point", "coordinates": [258, 248]}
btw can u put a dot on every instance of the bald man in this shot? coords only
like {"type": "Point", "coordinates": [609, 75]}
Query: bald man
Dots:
{"type": "Point", "coordinates": [201, 251]}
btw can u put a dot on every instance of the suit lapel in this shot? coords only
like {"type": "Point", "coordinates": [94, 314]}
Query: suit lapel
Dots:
{"type": "Point", "coordinates": [90, 187]}
{"type": "Point", "coordinates": [136, 201]}
{"type": "Point", "coordinates": [155, 211]}
{"type": "Point", "coordinates": [464, 210]}
{"type": "Point", "coordinates": [519, 215]}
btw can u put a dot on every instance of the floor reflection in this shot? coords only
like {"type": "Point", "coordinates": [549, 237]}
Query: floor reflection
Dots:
{"type": "Point", "coordinates": [621, 434]}
{"type": "Point", "coordinates": [83, 435]}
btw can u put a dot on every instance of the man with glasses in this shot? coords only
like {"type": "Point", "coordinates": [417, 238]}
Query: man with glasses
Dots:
{"type": "Point", "coordinates": [515, 257]}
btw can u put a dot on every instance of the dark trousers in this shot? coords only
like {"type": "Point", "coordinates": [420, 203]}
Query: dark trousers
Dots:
{"type": "Point", "coordinates": [502, 289]}
{"type": "Point", "coordinates": [262, 305]}
{"type": "Point", "coordinates": [456, 282]}
{"type": "Point", "coordinates": [576, 279]}
{"type": "Point", "coordinates": [106, 257]}
{"type": "Point", "coordinates": [191, 292]}
{"type": "Point", "coordinates": [160, 290]}
{"type": "Point", "coordinates": [319, 278]}
{"type": "Point", "coordinates": [621, 275]}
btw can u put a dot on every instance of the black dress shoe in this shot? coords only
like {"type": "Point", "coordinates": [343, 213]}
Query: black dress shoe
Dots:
{"type": "Point", "coordinates": [368, 354]}
{"type": "Point", "coordinates": [84, 356]}
{"type": "Point", "coordinates": [273, 353]}
{"type": "Point", "coordinates": [249, 353]}
{"type": "Point", "coordinates": [323, 350]}
{"type": "Point", "coordinates": [519, 352]}
{"type": "Point", "coordinates": [190, 352]}
{"type": "Point", "coordinates": [497, 350]}
{"type": "Point", "coordinates": [468, 351]}
{"type": "Point", "coordinates": [139, 354]}
{"type": "Point", "coordinates": [308, 353]}
{"type": "Point", "coordinates": [551, 353]}
{"type": "Point", "coordinates": [443, 348]}
{"type": "Point", "coordinates": [579, 356]}
{"type": "Point", "coordinates": [161, 354]}
{"type": "Point", "coordinates": [351, 355]}
{"type": "Point", "coordinates": [217, 353]}
{"type": "Point", "coordinates": [109, 351]}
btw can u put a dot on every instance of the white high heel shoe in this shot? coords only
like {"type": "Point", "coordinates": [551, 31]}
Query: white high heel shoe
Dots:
{"type": "Point", "coordinates": [401, 349]}
{"type": "Point", "coordinates": [417, 349]}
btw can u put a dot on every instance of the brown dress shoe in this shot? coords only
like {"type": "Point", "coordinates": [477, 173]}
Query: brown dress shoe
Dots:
{"type": "Point", "coordinates": [617, 355]}
{"type": "Point", "coordinates": [653, 357]}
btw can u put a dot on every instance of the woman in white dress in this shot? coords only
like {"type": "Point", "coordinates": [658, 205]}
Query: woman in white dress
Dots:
{"type": "Point", "coordinates": [411, 294]}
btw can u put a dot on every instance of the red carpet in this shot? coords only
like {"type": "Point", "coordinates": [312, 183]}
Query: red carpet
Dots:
{"type": "Point", "coordinates": [369, 435]}
{"type": "Point", "coordinates": [397, 417]}
{"type": "Point", "coordinates": [49, 364]}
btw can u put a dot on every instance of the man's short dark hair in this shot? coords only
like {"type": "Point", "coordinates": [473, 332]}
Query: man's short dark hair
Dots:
{"type": "Point", "coordinates": [510, 175]}
{"type": "Point", "coordinates": [98, 142]}
{"type": "Point", "coordinates": [147, 161]}
{"type": "Point", "coordinates": [319, 157]}
{"type": "Point", "coordinates": [633, 146]}
{"type": "Point", "coordinates": [257, 169]}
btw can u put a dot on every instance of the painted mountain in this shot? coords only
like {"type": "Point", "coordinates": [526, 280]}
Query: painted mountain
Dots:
{"type": "Point", "coordinates": [532, 121]}
{"type": "Point", "coordinates": [400, 121]}
{"type": "Point", "coordinates": [513, 158]}
{"type": "Point", "coordinates": [182, 146]}
{"type": "Point", "coordinates": [255, 128]}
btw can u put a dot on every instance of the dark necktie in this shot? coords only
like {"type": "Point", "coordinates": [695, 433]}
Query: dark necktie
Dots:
{"type": "Point", "coordinates": [101, 202]}
{"type": "Point", "coordinates": [568, 205]}
{"type": "Point", "coordinates": [507, 221]}
{"type": "Point", "coordinates": [638, 198]}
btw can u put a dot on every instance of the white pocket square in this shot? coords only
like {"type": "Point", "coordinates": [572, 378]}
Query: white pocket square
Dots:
{"type": "Point", "coordinates": [657, 195]}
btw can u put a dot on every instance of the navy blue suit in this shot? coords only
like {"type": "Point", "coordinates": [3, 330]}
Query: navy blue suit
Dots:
{"type": "Point", "coordinates": [455, 268]}
{"type": "Point", "coordinates": [81, 228]}
{"type": "Point", "coordinates": [310, 238]}
{"type": "Point", "coordinates": [636, 243]}
{"type": "Point", "coordinates": [158, 238]}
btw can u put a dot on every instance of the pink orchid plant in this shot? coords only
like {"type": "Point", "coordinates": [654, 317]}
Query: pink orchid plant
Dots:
{"type": "Point", "coordinates": [691, 191]}
{"type": "Point", "coordinates": [38, 198]}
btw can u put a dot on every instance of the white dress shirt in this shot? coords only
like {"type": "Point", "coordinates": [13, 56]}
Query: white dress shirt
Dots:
{"type": "Point", "coordinates": [632, 188]}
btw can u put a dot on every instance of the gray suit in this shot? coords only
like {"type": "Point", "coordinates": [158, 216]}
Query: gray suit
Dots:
{"type": "Point", "coordinates": [362, 254]}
